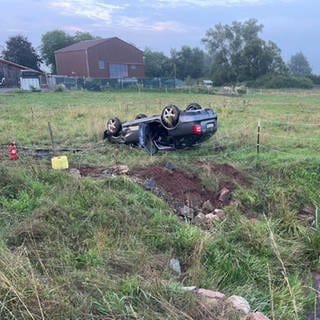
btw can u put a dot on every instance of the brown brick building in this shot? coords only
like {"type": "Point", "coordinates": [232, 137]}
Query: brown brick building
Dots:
{"type": "Point", "coordinates": [110, 58]}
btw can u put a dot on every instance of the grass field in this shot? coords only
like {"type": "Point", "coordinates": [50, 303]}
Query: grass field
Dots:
{"type": "Point", "coordinates": [99, 248]}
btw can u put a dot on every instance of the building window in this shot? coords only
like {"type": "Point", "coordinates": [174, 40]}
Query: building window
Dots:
{"type": "Point", "coordinates": [101, 64]}
{"type": "Point", "coordinates": [133, 67]}
{"type": "Point", "coordinates": [118, 71]}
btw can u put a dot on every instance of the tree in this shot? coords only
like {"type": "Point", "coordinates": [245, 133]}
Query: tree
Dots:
{"type": "Point", "coordinates": [239, 54]}
{"type": "Point", "coordinates": [19, 50]}
{"type": "Point", "coordinates": [82, 36]}
{"type": "Point", "coordinates": [58, 39]}
{"type": "Point", "coordinates": [189, 62]}
{"type": "Point", "coordinates": [52, 41]}
{"type": "Point", "coordinates": [157, 64]}
{"type": "Point", "coordinates": [260, 58]}
{"type": "Point", "coordinates": [299, 65]}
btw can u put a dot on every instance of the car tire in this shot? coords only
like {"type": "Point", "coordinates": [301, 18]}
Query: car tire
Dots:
{"type": "Point", "coordinates": [170, 116]}
{"type": "Point", "coordinates": [140, 116]}
{"type": "Point", "coordinates": [193, 106]}
{"type": "Point", "coordinates": [114, 126]}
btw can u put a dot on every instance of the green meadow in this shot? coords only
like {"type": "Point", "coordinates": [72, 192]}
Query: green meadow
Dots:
{"type": "Point", "coordinates": [99, 248]}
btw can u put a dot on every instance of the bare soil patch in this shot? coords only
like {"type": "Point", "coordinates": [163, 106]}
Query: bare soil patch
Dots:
{"type": "Point", "coordinates": [186, 188]}
{"type": "Point", "coordinates": [181, 187]}
{"type": "Point", "coordinates": [91, 171]}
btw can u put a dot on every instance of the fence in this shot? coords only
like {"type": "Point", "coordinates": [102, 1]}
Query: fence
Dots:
{"type": "Point", "coordinates": [269, 139]}
{"type": "Point", "coordinates": [113, 84]}
{"type": "Point", "coordinates": [297, 140]}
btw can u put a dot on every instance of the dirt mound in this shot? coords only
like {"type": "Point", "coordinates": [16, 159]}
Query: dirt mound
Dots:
{"type": "Point", "coordinates": [187, 188]}
{"type": "Point", "coordinates": [180, 187]}
{"type": "Point", "coordinates": [184, 188]}
{"type": "Point", "coordinates": [91, 171]}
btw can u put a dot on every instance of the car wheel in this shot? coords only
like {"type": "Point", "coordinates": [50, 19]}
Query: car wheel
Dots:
{"type": "Point", "coordinates": [170, 116]}
{"type": "Point", "coordinates": [193, 106]}
{"type": "Point", "coordinates": [114, 126]}
{"type": "Point", "coordinates": [140, 116]}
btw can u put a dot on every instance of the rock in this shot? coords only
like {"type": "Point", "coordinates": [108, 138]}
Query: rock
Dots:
{"type": "Point", "coordinates": [210, 217]}
{"type": "Point", "coordinates": [210, 294]}
{"type": "Point", "coordinates": [175, 265]}
{"type": "Point", "coordinates": [149, 184]}
{"type": "Point", "coordinates": [190, 288]}
{"type": "Point", "coordinates": [306, 218]}
{"type": "Point", "coordinates": [237, 303]}
{"type": "Point", "coordinates": [307, 210]}
{"type": "Point", "coordinates": [207, 206]}
{"type": "Point", "coordinates": [224, 194]}
{"type": "Point", "coordinates": [75, 172]}
{"type": "Point", "coordinates": [256, 316]}
{"type": "Point", "coordinates": [220, 213]}
{"type": "Point", "coordinates": [169, 166]}
{"type": "Point", "coordinates": [199, 219]}
{"type": "Point", "coordinates": [187, 212]}
{"type": "Point", "coordinates": [212, 300]}
{"type": "Point", "coordinates": [116, 170]}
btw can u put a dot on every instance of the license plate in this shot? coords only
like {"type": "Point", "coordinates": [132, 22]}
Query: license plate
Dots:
{"type": "Point", "coordinates": [210, 125]}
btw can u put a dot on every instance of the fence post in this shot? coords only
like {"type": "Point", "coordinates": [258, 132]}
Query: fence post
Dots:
{"type": "Point", "coordinates": [258, 138]}
{"type": "Point", "coordinates": [51, 138]}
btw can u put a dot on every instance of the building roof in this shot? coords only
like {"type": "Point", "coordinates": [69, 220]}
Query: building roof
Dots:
{"type": "Point", "coordinates": [19, 66]}
{"type": "Point", "coordinates": [86, 44]}
{"type": "Point", "coordinates": [82, 45]}
{"type": "Point", "coordinates": [13, 64]}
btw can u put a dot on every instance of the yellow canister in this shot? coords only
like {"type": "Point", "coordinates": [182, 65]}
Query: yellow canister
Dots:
{"type": "Point", "coordinates": [59, 163]}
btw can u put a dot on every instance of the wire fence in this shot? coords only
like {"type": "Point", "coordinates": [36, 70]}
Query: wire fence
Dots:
{"type": "Point", "coordinates": [133, 84]}
{"type": "Point", "coordinates": [298, 140]}
{"type": "Point", "coordinates": [264, 138]}
{"type": "Point", "coordinates": [114, 84]}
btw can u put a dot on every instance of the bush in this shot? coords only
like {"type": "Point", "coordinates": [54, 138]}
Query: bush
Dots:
{"type": "Point", "coordinates": [60, 88]}
{"type": "Point", "coordinates": [315, 79]}
{"type": "Point", "coordinates": [280, 81]}
{"type": "Point", "coordinates": [92, 85]}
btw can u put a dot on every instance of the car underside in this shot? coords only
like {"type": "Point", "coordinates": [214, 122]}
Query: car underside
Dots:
{"type": "Point", "coordinates": [173, 129]}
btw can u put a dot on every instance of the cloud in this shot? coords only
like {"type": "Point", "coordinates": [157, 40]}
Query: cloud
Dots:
{"type": "Point", "coordinates": [168, 26]}
{"type": "Point", "coordinates": [16, 30]}
{"type": "Point", "coordinates": [92, 9]}
{"type": "Point", "coordinates": [142, 24]}
{"type": "Point", "coordinates": [74, 28]}
{"type": "Point", "coordinates": [207, 3]}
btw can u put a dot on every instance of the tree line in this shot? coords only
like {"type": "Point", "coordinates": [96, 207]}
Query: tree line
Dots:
{"type": "Point", "coordinates": [234, 53]}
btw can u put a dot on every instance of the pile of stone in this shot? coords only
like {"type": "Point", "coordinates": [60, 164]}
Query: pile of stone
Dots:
{"type": "Point", "coordinates": [233, 306]}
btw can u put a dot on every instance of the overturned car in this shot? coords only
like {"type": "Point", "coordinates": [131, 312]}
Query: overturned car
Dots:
{"type": "Point", "coordinates": [173, 129]}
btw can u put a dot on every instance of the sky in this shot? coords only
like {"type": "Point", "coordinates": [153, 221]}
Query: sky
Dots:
{"type": "Point", "coordinates": [162, 25]}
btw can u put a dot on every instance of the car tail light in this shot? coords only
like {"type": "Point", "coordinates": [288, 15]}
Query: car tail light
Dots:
{"type": "Point", "coordinates": [197, 130]}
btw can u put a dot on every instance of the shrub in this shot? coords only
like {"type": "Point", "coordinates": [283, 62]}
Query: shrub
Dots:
{"type": "Point", "coordinates": [92, 85]}
{"type": "Point", "coordinates": [315, 79]}
{"type": "Point", "coordinates": [60, 88]}
{"type": "Point", "coordinates": [280, 81]}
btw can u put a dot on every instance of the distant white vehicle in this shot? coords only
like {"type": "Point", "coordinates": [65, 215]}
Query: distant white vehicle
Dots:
{"type": "Point", "coordinates": [2, 82]}
{"type": "Point", "coordinates": [207, 83]}
{"type": "Point", "coordinates": [29, 80]}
